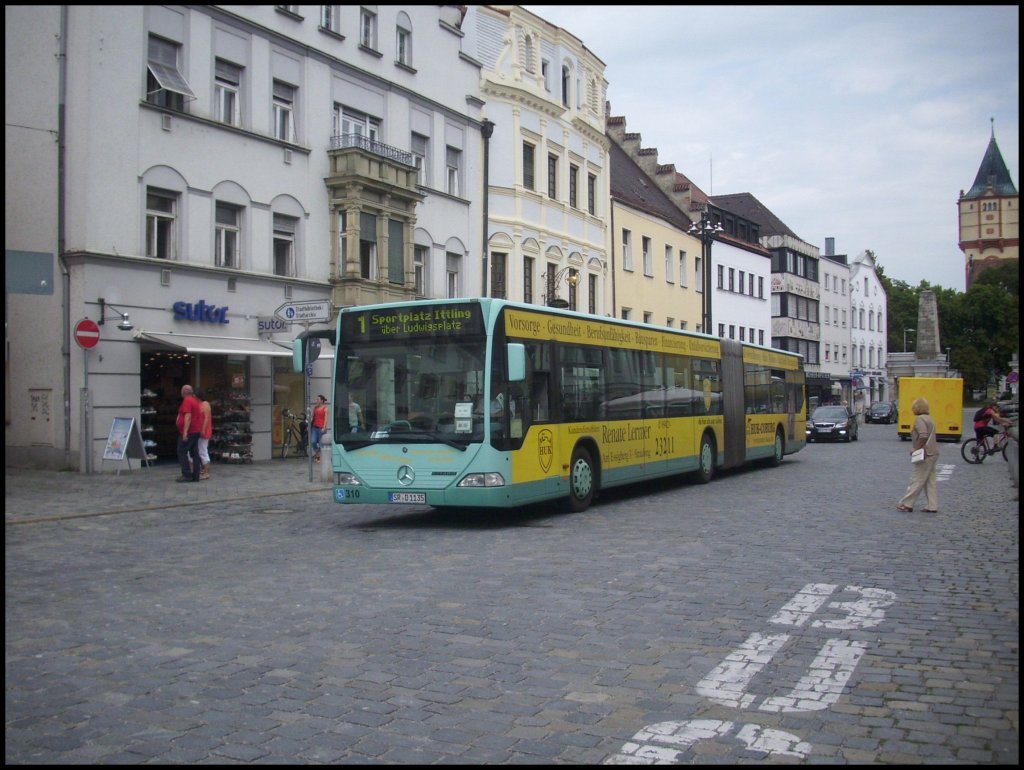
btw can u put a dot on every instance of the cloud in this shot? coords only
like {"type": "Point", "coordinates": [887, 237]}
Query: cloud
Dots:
{"type": "Point", "coordinates": [861, 123]}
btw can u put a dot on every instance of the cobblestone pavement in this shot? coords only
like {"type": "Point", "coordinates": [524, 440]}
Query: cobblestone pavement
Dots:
{"type": "Point", "coordinates": [786, 615]}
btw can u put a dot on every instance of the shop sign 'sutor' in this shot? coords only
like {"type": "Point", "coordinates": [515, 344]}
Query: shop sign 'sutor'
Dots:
{"type": "Point", "coordinates": [201, 312]}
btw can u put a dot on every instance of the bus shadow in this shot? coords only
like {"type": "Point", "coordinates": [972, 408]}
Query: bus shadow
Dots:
{"type": "Point", "coordinates": [466, 518]}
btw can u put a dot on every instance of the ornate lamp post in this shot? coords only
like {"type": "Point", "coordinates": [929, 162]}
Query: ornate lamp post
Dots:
{"type": "Point", "coordinates": [706, 230]}
{"type": "Point", "coordinates": [551, 298]}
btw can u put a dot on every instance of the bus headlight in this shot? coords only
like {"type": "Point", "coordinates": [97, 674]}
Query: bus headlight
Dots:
{"type": "Point", "coordinates": [483, 480]}
{"type": "Point", "coordinates": [349, 479]}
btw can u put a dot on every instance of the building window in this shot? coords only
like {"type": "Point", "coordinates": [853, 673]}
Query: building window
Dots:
{"type": "Point", "coordinates": [165, 86]}
{"type": "Point", "coordinates": [732, 281]}
{"type": "Point", "coordinates": [527, 279]}
{"type": "Point", "coordinates": [760, 287]}
{"type": "Point", "coordinates": [499, 261]}
{"type": "Point", "coordinates": [572, 297]}
{"type": "Point", "coordinates": [592, 194]}
{"type": "Point", "coordinates": [330, 18]}
{"type": "Point", "coordinates": [453, 167]}
{"type": "Point", "coordinates": [698, 274]}
{"type": "Point", "coordinates": [742, 276]}
{"type": "Point", "coordinates": [682, 268]}
{"type": "Point", "coordinates": [419, 266]}
{"type": "Point", "coordinates": [420, 149]}
{"type": "Point", "coordinates": [721, 330]}
{"type": "Point", "coordinates": [550, 290]}
{"type": "Point", "coordinates": [453, 262]}
{"type": "Point", "coordinates": [367, 246]}
{"type": "Point", "coordinates": [545, 69]}
{"type": "Point", "coordinates": [228, 236]}
{"type": "Point", "coordinates": [284, 244]}
{"type": "Point", "coordinates": [227, 79]}
{"type": "Point", "coordinates": [750, 285]}
{"type": "Point", "coordinates": [645, 244]}
{"type": "Point", "coordinates": [668, 265]}
{"type": "Point", "coordinates": [368, 29]}
{"type": "Point", "coordinates": [627, 250]}
{"type": "Point", "coordinates": [565, 85]}
{"type": "Point", "coordinates": [574, 172]}
{"type": "Point", "coordinates": [553, 177]}
{"type": "Point", "coordinates": [721, 277]}
{"type": "Point", "coordinates": [160, 223]}
{"type": "Point", "coordinates": [528, 168]}
{"type": "Point", "coordinates": [592, 295]}
{"type": "Point", "coordinates": [355, 126]}
{"type": "Point", "coordinates": [284, 111]}
{"type": "Point", "coordinates": [403, 40]}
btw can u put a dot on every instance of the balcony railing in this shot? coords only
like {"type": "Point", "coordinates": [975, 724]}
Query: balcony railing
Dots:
{"type": "Point", "coordinates": [358, 141]}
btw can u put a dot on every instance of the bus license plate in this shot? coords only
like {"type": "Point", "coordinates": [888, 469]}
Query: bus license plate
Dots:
{"type": "Point", "coordinates": [407, 497]}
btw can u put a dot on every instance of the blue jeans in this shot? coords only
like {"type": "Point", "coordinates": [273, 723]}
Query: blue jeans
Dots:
{"type": "Point", "coordinates": [317, 434]}
{"type": "Point", "coordinates": [186, 447]}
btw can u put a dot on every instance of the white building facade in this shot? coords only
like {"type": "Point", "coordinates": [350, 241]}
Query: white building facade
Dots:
{"type": "Point", "coordinates": [741, 293]}
{"type": "Point", "coordinates": [868, 333]}
{"type": "Point", "coordinates": [548, 194]}
{"type": "Point", "coordinates": [835, 324]}
{"type": "Point", "coordinates": [207, 170]}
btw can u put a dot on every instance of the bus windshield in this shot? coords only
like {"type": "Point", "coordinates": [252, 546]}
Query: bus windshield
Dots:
{"type": "Point", "coordinates": [426, 389]}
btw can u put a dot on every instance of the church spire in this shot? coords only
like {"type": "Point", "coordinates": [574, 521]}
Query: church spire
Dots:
{"type": "Point", "coordinates": [992, 175]}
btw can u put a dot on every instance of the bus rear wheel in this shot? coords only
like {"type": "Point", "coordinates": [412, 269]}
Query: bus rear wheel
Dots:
{"type": "Point", "coordinates": [581, 480]}
{"type": "Point", "coordinates": [706, 459]}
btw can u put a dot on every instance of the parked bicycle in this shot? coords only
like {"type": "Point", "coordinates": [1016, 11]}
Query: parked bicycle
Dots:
{"type": "Point", "coordinates": [975, 452]}
{"type": "Point", "coordinates": [296, 434]}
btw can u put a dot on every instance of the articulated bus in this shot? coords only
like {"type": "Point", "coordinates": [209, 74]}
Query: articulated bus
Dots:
{"type": "Point", "coordinates": [490, 403]}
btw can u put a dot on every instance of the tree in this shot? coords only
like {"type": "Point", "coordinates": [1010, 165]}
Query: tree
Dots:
{"type": "Point", "coordinates": [980, 328]}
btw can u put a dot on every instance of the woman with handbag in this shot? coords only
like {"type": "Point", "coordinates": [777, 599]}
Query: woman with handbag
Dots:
{"type": "Point", "coordinates": [926, 448]}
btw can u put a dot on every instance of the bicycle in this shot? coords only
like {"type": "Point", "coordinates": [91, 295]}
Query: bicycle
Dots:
{"type": "Point", "coordinates": [295, 434]}
{"type": "Point", "coordinates": [975, 452]}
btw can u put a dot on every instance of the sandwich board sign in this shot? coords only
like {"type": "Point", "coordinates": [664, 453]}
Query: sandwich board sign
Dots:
{"type": "Point", "coordinates": [124, 442]}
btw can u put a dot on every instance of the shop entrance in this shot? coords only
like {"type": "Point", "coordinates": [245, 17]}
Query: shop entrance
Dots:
{"type": "Point", "coordinates": [224, 379]}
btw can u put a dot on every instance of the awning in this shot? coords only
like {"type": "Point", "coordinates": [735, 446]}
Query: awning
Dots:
{"type": "Point", "coordinates": [195, 343]}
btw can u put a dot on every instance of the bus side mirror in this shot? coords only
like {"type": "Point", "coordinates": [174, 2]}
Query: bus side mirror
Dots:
{"type": "Point", "coordinates": [516, 352]}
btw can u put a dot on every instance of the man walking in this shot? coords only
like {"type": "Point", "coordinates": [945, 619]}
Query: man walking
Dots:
{"type": "Point", "coordinates": [190, 424]}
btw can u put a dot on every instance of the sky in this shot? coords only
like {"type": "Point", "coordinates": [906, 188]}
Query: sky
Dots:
{"type": "Point", "coordinates": [860, 123]}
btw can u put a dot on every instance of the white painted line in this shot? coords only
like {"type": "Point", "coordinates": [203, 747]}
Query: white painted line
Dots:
{"type": "Point", "coordinates": [863, 613]}
{"type": "Point", "coordinates": [807, 601]}
{"type": "Point", "coordinates": [824, 681]}
{"type": "Point", "coordinates": [727, 682]}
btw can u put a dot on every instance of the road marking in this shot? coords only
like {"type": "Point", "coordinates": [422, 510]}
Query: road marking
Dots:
{"type": "Point", "coordinates": [726, 684]}
{"type": "Point", "coordinates": [665, 742]}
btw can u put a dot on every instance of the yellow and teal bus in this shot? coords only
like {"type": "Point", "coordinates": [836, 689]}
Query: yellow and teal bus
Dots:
{"type": "Point", "coordinates": [488, 403]}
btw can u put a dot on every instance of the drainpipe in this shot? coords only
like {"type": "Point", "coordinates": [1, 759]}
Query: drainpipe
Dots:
{"type": "Point", "coordinates": [486, 130]}
{"type": "Point", "coordinates": [65, 349]}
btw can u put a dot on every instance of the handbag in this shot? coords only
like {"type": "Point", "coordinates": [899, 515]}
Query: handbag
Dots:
{"type": "Point", "coordinates": [917, 456]}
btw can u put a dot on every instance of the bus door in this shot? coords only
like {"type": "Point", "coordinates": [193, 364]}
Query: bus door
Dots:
{"type": "Point", "coordinates": [733, 409]}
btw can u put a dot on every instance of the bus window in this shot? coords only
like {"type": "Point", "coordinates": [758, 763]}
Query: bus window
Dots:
{"type": "Point", "coordinates": [582, 382]}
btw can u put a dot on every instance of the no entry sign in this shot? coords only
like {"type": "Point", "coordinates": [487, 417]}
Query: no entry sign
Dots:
{"type": "Point", "coordinates": [87, 333]}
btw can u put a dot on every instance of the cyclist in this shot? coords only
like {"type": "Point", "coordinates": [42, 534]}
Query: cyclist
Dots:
{"type": "Point", "coordinates": [983, 423]}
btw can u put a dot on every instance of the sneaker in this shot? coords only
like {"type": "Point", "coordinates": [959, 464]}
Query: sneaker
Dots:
{"type": "Point", "coordinates": [184, 478]}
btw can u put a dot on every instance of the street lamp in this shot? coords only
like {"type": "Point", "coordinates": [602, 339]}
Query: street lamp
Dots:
{"type": "Point", "coordinates": [706, 230]}
{"type": "Point", "coordinates": [551, 298]}
{"type": "Point", "coordinates": [905, 338]}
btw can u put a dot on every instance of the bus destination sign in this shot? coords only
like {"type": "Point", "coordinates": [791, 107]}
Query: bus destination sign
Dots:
{"type": "Point", "coordinates": [412, 321]}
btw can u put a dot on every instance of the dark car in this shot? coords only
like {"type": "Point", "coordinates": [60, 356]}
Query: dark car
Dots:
{"type": "Point", "coordinates": [832, 423]}
{"type": "Point", "coordinates": [881, 411]}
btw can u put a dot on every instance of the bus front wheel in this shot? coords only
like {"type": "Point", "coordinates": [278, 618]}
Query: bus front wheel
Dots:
{"type": "Point", "coordinates": [706, 459]}
{"type": "Point", "coordinates": [779, 450]}
{"type": "Point", "coordinates": [581, 480]}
